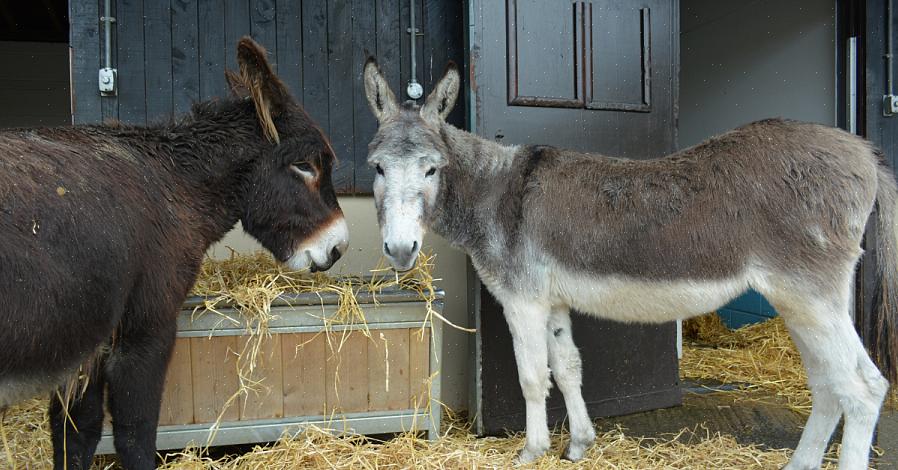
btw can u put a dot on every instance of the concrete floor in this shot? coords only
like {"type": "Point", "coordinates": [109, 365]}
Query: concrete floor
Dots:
{"type": "Point", "coordinates": [770, 424]}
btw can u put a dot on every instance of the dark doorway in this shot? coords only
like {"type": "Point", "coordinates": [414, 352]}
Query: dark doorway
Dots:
{"type": "Point", "coordinates": [34, 78]}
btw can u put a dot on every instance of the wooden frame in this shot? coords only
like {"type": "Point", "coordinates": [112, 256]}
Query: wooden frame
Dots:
{"type": "Point", "coordinates": [383, 378]}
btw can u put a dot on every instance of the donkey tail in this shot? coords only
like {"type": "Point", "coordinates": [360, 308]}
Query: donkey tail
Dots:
{"type": "Point", "coordinates": [884, 347]}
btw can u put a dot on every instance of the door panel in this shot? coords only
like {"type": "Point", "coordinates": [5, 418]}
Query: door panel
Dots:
{"type": "Point", "coordinates": [619, 51]}
{"type": "Point", "coordinates": [543, 55]}
{"type": "Point", "coordinates": [596, 76]}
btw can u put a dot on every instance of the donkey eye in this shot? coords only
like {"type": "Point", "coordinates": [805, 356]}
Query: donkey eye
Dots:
{"type": "Point", "coordinates": [304, 166]}
{"type": "Point", "coordinates": [305, 169]}
{"type": "Point", "coordinates": [379, 169]}
{"type": "Point", "coordinates": [430, 172]}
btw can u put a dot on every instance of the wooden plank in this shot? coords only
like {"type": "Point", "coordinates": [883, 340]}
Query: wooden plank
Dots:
{"type": "Point", "coordinates": [158, 55]}
{"type": "Point", "coordinates": [347, 372]}
{"type": "Point", "coordinates": [389, 38]}
{"type": "Point", "coordinates": [263, 25]}
{"type": "Point", "coordinates": [419, 368]}
{"type": "Point", "coordinates": [304, 357]}
{"type": "Point", "coordinates": [289, 45]}
{"type": "Point", "coordinates": [132, 100]}
{"type": "Point", "coordinates": [340, 114]}
{"type": "Point", "coordinates": [177, 396]}
{"type": "Point", "coordinates": [184, 55]}
{"type": "Point", "coordinates": [86, 42]}
{"type": "Point", "coordinates": [444, 41]}
{"type": "Point", "coordinates": [364, 44]}
{"type": "Point", "coordinates": [214, 365]}
{"type": "Point", "coordinates": [237, 20]}
{"type": "Point", "coordinates": [269, 401]}
{"type": "Point", "coordinates": [211, 48]}
{"type": "Point", "coordinates": [388, 370]}
{"type": "Point", "coordinates": [315, 62]}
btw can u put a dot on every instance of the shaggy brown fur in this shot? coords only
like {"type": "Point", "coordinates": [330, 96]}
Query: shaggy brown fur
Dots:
{"type": "Point", "coordinates": [102, 230]}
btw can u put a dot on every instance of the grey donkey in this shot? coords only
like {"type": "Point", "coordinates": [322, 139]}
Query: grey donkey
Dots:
{"type": "Point", "coordinates": [778, 206]}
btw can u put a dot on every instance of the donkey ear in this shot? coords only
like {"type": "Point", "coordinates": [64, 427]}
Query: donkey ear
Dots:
{"type": "Point", "coordinates": [380, 98]}
{"type": "Point", "coordinates": [441, 100]}
{"type": "Point", "coordinates": [236, 85]}
{"type": "Point", "coordinates": [268, 92]}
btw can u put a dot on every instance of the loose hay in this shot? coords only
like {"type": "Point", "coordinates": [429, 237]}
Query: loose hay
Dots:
{"type": "Point", "coordinates": [757, 357]}
{"type": "Point", "coordinates": [761, 356]}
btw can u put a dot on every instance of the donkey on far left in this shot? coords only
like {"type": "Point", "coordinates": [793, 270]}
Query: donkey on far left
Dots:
{"type": "Point", "coordinates": [102, 232]}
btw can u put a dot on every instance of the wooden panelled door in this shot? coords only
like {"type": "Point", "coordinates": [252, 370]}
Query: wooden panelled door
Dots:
{"type": "Point", "coordinates": [597, 76]}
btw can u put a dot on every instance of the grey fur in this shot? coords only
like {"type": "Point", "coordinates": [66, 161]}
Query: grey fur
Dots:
{"type": "Point", "coordinates": [776, 205]}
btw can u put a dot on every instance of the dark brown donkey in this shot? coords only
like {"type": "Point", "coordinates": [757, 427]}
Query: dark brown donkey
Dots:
{"type": "Point", "coordinates": [102, 231]}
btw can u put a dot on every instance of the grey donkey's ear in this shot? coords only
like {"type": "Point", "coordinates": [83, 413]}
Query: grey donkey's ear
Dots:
{"type": "Point", "coordinates": [380, 97]}
{"type": "Point", "coordinates": [441, 100]}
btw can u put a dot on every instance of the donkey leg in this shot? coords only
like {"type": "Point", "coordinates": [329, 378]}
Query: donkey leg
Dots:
{"type": "Point", "coordinates": [528, 322]}
{"type": "Point", "coordinates": [76, 431]}
{"type": "Point", "coordinates": [567, 371]}
{"type": "Point", "coordinates": [135, 373]}
{"type": "Point", "coordinates": [842, 379]}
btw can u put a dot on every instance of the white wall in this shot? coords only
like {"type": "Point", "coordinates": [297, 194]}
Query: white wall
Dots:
{"type": "Point", "coordinates": [364, 254]}
{"type": "Point", "coordinates": [746, 60]}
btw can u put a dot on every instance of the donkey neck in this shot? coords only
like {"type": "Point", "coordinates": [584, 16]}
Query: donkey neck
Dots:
{"type": "Point", "coordinates": [206, 157]}
{"type": "Point", "coordinates": [473, 179]}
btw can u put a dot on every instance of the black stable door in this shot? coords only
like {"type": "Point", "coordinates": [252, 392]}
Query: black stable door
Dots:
{"type": "Point", "coordinates": [597, 76]}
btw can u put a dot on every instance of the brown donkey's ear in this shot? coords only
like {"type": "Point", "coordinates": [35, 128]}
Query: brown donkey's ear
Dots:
{"type": "Point", "coordinates": [380, 98]}
{"type": "Point", "coordinates": [268, 92]}
{"type": "Point", "coordinates": [441, 100]}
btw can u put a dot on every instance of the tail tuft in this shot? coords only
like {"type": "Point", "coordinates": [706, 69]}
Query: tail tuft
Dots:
{"type": "Point", "coordinates": [884, 345]}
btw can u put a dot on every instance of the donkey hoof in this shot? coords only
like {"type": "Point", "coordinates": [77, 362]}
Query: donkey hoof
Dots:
{"type": "Point", "coordinates": [528, 456]}
{"type": "Point", "coordinates": [577, 448]}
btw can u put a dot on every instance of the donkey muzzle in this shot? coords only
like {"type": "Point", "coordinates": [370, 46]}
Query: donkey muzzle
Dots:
{"type": "Point", "coordinates": [402, 255]}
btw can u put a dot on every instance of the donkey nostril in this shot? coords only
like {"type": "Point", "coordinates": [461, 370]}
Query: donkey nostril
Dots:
{"type": "Point", "coordinates": [387, 250]}
{"type": "Point", "coordinates": [414, 246]}
{"type": "Point", "coordinates": [335, 255]}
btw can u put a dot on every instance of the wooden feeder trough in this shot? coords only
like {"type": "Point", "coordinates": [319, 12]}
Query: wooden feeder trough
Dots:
{"type": "Point", "coordinates": [310, 371]}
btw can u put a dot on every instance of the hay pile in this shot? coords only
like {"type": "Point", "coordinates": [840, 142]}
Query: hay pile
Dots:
{"type": "Point", "coordinates": [26, 429]}
{"type": "Point", "coordinates": [315, 449]}
{"type": "Point", "coordinates": [757, 357]}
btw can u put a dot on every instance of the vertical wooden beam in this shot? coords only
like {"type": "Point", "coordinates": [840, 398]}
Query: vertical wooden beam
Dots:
{"type": "Point", "coordinates": [419, 368]}
{"type": "Point", "coordinates": [315, 63]}
{"type": "Point", "coordinates": [214, 365]}
{"type": "Point", "coordinates": [132, 99]}
{"type": "Point", "coordinates": [347, 372]}
{"type": "Point", "coordinates": [340, 99]}
{"type": "Point", "coordinates": [289, 45]}
{"type": "Point", "coordinates": [86, 40]}
{"type": "Point", "coordinates": [305, 358]}
{"type": "Point", "coordinates": [236, 25]}
{"type": "Point", "coordinates": [263, 25]}
{"type": "Point", "coordinates": [177, 396]}
{"type": "Point", "coordinates": [388, 370]}
{"type": "Point", "coordinates": [185, 55]}
{"type": "Point", "coordinates": [268, 401]}
{"type": "Point", "coordinates": [157, 17]}
{"type": "Point", "coordinates": [211, 38]}
{"type": "Point", "coordinates": [364, 44]}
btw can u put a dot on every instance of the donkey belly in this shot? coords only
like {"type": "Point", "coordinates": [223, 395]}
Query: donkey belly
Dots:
{"type": "Point", "coordinates": [635, 300]}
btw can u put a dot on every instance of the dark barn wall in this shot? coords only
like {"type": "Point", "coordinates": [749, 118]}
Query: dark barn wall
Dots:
{"type": "Point", "coordinates": [170, 53]}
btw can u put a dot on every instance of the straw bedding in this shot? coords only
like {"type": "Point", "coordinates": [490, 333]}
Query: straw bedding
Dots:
{"type": "Point", "coordinates": [760, 356]}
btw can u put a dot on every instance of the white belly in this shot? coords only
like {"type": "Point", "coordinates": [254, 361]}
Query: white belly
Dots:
{"type": "Point", "coordinates": [632, 300]}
